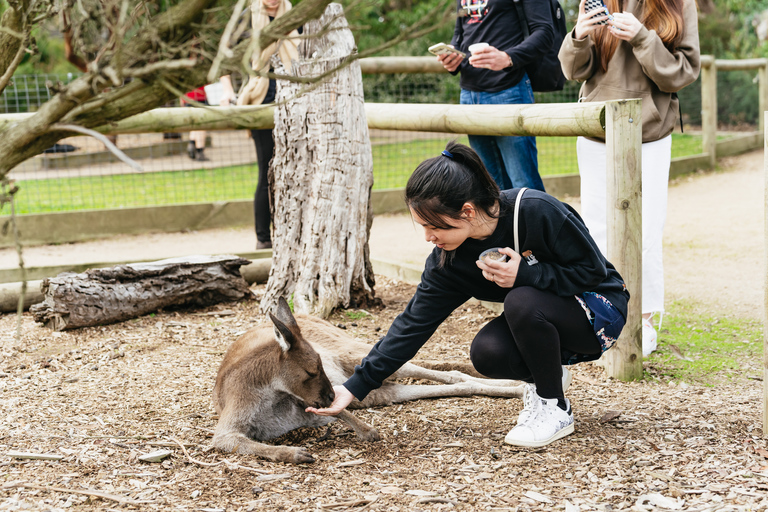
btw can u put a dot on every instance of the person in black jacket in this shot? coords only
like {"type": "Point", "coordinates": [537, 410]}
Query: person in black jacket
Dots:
{"type": "Point", "coordinates": [496, 74]}
{"type": "Point", "coordinates": [563, 302]}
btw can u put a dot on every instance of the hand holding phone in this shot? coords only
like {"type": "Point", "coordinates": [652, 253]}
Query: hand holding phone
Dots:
{"type": "Point", "coordinates": [444, 49]}
{"type": "Point", "coordinates": [599, 8]}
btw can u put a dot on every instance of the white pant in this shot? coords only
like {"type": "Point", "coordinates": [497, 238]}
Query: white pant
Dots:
{"type": "Point", "coordinates": [656, 158]}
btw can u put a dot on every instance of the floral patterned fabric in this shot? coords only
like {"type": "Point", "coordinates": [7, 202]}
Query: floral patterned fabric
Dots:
{"type": "Point", "coordinates": [605, 319]}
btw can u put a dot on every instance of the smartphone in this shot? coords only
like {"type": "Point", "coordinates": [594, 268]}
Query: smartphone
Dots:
{"type": "Point", "coordinates": [442, 48]}
{"type": "Point", "coordinates": [591, 5]}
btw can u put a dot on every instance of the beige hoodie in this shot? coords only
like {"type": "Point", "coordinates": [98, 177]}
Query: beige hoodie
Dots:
{"type": "Point", "coordinates": [641, 68]}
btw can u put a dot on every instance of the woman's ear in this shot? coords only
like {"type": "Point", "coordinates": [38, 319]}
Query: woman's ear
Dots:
{"type": "Point", "coordinates": [468, 211]}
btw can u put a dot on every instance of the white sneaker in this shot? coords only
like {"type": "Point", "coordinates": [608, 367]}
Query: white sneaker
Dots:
{"type": "Point", "coordinates": [542, 421]}
{"type": "Point", "coordinates": [567, 378]}
{"type": "Point", "coordinates": [649, 338]}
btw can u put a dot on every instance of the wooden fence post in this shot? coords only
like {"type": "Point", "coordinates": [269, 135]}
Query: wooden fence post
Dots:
{"type": "Point", "coordinates": [765, 284]}
{"type": "Point", "coordinates": [762, 75]}
{"type": "Point", "coordinates": [623, 141]}
{"type": "Point", "coordinates": [709, 107]}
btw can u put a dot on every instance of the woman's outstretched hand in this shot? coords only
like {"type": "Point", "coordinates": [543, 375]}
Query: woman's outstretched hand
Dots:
{"type": "Point", "coordinates": [503, 273]}
{"type": "Point", "coordinates": [587, 21]}
{"type": "Point", "coordinates": [342, 400]}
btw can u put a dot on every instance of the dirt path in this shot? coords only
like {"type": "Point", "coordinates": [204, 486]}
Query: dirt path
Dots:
{"type": "Point", "coordinates": [714, 239]}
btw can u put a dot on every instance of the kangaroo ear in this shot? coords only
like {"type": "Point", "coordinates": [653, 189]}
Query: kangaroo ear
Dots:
{"type": "Point", "coordinates": [285, 325]}
{"type": "Point", "coordinates": [283, 312]}
{"type": "Point", "coordinates": [283, 334]}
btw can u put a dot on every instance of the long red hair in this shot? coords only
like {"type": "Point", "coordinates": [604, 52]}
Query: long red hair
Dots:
{"type": "Point", "coordinates": [664, 16]}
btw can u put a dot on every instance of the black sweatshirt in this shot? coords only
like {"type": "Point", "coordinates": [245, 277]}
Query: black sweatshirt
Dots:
{"type": "Point", "coordinates": [568, 262]}
{"type": "Point", "coordinates": [496, 22]}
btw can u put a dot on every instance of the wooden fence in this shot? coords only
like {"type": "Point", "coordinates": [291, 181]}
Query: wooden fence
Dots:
{"type": "Point", "coordinates": [618, 122]}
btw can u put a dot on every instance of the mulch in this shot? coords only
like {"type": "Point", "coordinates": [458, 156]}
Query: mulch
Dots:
{"type": "Point", "coordinates": [99, 399]}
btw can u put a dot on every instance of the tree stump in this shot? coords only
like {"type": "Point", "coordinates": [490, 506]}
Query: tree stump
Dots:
{"type": "Point", "coordinates": [321, 177]}
{"type": "Point", "coordinates": [108, 295]}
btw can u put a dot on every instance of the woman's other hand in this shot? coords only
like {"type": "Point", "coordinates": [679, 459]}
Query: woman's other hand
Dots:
{"type": "Point", "coordinates": [503, 273]}
{"type": "Point", "coordinates": [625, 26]}
{"type": "Point", "coordinates": [490, 58]}
{"type": "Point", "coordinates": [342, 400]}
{"type": "Point", "coordinates": [587, 21]}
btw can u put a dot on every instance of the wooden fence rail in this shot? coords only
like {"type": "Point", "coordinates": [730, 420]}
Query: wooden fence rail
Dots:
{"type": "Point", "coordinates": [619, 122]}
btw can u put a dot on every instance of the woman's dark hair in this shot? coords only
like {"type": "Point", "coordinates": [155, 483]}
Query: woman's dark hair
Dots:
{"type": "Point", "coordinates": [440, 186]}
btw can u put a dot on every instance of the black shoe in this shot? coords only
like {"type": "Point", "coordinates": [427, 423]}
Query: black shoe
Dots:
{"type": "Point", "coordinates": [191, 150]}
{"type": "Point", "coordinates": [200, 156]}
{"type": "Point", "coordinates": [263, 245]}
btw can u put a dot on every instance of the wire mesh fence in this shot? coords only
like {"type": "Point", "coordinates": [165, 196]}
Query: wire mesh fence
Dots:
{"type": "Point", "coordinates": [79, 173]}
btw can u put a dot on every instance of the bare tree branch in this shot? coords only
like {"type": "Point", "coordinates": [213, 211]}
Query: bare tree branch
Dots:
{"type": "Point", "coordinates": [96, 135]}
{"type": "Point", "coordinates": [224, 50]}
{"type": "Point", "coordinates": [156, 67]}
{"type": "Point", "coordinates": [6, 78]}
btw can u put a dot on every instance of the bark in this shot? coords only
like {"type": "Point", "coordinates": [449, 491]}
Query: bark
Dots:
{"type": "Point", "coordinates": [115, 294]}
{"type": "Point", "coordinates": [12, 19]}
{"type": "Point", "coordinates": [321, 177]}
{"type": "Point", "coordinates": [90, 101]}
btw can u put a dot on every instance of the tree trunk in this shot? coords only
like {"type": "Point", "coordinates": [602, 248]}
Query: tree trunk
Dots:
{"type": "Point", "coordinates": [114, 294]}
{"type": "Point", "coordinates": [321, 177]}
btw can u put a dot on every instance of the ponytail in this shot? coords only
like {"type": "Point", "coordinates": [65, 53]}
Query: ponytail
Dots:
{"type": "Point", "coordinates": [440, 186]}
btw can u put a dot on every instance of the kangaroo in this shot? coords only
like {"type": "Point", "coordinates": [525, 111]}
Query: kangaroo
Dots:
{"type": "Point", "coordinates": [270, 374]}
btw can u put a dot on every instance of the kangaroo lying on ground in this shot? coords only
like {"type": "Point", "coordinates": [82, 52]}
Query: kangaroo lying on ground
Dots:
{"type": "Point", "coordinates": [272, 373]}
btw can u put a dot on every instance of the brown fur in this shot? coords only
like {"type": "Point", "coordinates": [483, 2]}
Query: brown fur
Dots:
{"type": "Point", "coordinates": [274, 371]}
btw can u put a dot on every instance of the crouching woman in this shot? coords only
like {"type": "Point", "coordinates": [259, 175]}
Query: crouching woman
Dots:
{"type": "Point", "coordinates": [563, 302]}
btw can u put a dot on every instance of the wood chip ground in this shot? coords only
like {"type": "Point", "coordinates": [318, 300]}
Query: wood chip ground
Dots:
{"type": "Point", "coordinates": [103, 397]}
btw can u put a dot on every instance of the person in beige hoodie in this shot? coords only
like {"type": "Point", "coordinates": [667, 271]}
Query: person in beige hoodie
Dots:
{"type": "Point", "coordinates": [260, 89]}
{"type": "Point", "coordinates": [647, 49]}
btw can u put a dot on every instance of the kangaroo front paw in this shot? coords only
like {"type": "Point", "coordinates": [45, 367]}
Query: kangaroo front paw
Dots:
{"type": "Point", "coordinates": [369, 436]}
{"type": "Point", "coordinates": [295, 455]}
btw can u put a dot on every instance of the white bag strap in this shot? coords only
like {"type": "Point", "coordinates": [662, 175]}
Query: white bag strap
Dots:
{"type": "Point", "coordinates": [514, 219]}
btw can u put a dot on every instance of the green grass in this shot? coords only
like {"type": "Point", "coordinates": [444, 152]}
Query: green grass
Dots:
{"type": "Point", "coordinates": [720, 350]}
{"type": "Point", "coordinates": [393, 163]}
{"type": "Point", "coordinates": [355, 315]}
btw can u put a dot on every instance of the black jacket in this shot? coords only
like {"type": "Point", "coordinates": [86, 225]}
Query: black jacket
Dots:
{"type": "Point", "coordinates": [496, 22]}
{"type": "Point", "coordinates": [568, 262]}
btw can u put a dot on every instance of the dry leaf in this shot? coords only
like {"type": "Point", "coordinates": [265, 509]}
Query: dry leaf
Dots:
{"type": "Point", "coordinates": [609, 416]}
{"type": "Point", "coordinates": [677, 352]}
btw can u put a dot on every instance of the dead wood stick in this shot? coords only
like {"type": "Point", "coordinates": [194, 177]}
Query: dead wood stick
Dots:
{"type": "Point", "coordinates": [349, 503]}
{"type": "Point", "coordinates": [35, 456]}
{"type": "Point", "coordinates": [108, 295]}
{"type": "Point", "coordinates": [87, 492]}
{"type": "Point", "coordinates": [189, 457]}
{"type": "Point", "coordinates": [436, 500]}
{"type": "Point", "coordinates": [230, 465]}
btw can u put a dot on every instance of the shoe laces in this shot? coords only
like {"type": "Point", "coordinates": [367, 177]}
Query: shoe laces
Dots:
{"type": "Point", "coordinates": [531, 404]}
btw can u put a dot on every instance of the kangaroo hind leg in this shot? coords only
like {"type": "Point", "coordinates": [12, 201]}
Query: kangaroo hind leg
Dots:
{"type": "Point", "coordinates": [413, 371]}
{"type": "Point", "coordinates": [391, 393]}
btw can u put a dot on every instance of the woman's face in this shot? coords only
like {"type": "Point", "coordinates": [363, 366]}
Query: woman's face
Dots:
{"type": "Point", "coordinates": [270, 5]}
{"type": "Point", "coordinates": [448, 239]}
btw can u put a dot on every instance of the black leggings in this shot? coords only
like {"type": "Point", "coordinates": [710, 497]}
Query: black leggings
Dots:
{"type": "Point", "coordinates": [524, 343]}
{"type": "Point", "coordinates": [265, 149]}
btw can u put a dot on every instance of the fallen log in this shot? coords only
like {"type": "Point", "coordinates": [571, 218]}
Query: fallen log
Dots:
{"type": "Point", "coordinates": [115, 294]}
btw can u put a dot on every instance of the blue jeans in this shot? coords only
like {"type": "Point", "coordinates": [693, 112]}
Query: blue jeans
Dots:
{"type": "Point", "coordinates": [511, 161]}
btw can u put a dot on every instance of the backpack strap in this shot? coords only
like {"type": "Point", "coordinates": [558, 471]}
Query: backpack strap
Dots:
{"type": "Point", "coordinates": [523, 19]}
{"type": "Point", "coordinates": [518, 200]}
{"type": "Point", "coordinates": [680, 110]}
